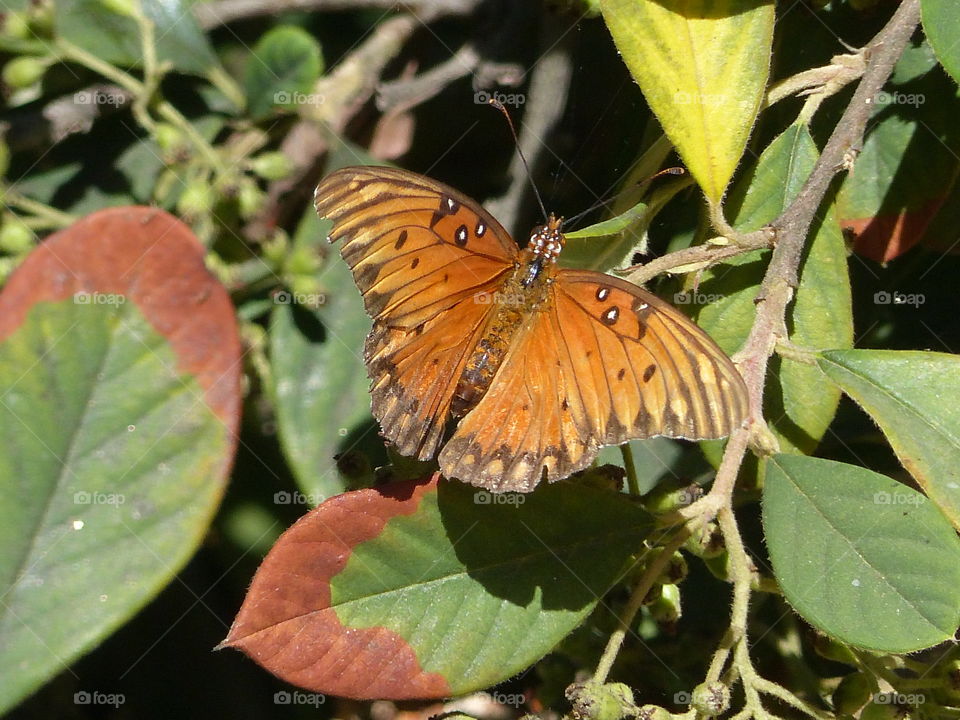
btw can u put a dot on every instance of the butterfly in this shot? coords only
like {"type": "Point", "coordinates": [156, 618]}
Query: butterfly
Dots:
{"type": "Point", "coordinates": [539, 366]}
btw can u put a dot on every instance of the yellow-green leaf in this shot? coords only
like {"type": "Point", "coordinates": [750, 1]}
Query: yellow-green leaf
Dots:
{"type": "Point", "coordinates": [702, 66]}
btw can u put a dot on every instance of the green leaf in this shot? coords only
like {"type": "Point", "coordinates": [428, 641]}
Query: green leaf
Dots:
{"type": "Point", "coordinates": [860, 556]}
{"type": "Point", "coordinates": [800, 402]}
{"type": "Point", "coordinates": [282, 70]}
{"type": "Point", "coordinates": [120, 373]}
{"type": "Point", "coordinates": [942, 28]}
{"type": "Point", "coordinates": [908, 160]}
{"type": "Point", "coordinates": [912, 397]}
{"type": "Point", "coordinates": [488, 584]}
{"type": "Point", "coordinates": [320, 385]}
{"type": "Point", "coordinates": [611, 243]}
{"type": "Point", "coordinates": [702, 66]}
{"type": "Point", "coordinates": [116, 38]}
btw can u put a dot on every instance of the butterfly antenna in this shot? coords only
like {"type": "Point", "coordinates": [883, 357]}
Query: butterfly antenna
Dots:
{"type": "Point", "coordinates": [499, 106]}
{"type": "Point", "coordinates": [603, 201]}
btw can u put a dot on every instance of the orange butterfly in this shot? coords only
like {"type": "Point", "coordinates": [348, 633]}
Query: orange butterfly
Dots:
{"type": "Point", "coordinates": [542, 366]}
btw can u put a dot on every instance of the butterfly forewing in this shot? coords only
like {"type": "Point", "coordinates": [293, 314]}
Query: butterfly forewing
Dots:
{"type": "Point", "coordinates": [416, 247]}
{"type": "Point", "coordinates": [422, 255]}
{"type": "Point", "coordinates": [586, 360]}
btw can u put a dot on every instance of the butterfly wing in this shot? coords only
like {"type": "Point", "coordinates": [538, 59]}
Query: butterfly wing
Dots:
{"type": "Point", "coordinates": [603, 363]}
{"type": "Point", "coordinates": [424, 257]}
{"type": "Point", "coordinates": [416, 247]}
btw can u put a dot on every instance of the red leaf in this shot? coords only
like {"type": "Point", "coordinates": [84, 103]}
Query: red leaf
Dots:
{"type": "Point", "coordinates": [885, 237]}
{"type": "Point", "coordinates": [156, 262]}
{"type": "Point", "coordinates": [286, 623]}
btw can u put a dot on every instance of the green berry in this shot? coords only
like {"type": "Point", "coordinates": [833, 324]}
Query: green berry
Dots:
{"type": "Point", "coordinates": [711, 699]}
{"type": "Point", "coordinates": [271, 165]}
{"type": "Point", "coordinates": [23, 72]}
{"type": "Point", "coordinates": [197, 199]}
{"type": "Point", "coordinates": [15, 237]}
{"type": "Point", "coordinates": [852, 693]}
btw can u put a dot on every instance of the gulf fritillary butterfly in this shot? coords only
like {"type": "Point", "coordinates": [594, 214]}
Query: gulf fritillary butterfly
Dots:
{"type": "Point", "coordinates": [541, 366]}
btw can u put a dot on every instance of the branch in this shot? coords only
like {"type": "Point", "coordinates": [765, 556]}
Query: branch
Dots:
{"type": "Point", "coordinates": [544, 105]}
{"type": "Point", "coordinates": [790, 230]}
{"type": "Point", "coordinates": [221, 12]}
{"type": "Point", "coordinates": [406, 93]}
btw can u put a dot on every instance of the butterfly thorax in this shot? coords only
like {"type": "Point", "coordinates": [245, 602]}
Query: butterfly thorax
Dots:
{"type": "Point", "coordinates": [518, 300]}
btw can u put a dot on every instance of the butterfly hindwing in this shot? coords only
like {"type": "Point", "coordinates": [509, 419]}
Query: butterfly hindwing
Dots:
{"type": "Point", "coordinates": [590, 360]}
{"type": "Point", "coordinates": [416, 247]}
{"type": "Point", "coordinates": [525, 422]}
{"type": "Point", "coordinates": [604, 362]}
{"type": "Point", "coordinates": [414, 374]}
{"type": "Point", "coordinates": [650, 368]}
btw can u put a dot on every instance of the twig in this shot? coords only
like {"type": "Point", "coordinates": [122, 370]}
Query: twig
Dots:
{"type": "Point", "coordinates": [353, 80]}
{"type": "Point", "coordinates": [467, 60]}
{"type": "Point", "coordinates": [791, 228]}
{"type": "Point", "coordinates": [776, 292]}
{"type": "Point", "coordinates": [654, 570]}
{"type": "Point", "coordinates": [544, 104]}
{"type": "Point", "coordinates": [214, 14]}
{"type": "Point", "coordinates": [701, 255]}
{"type": "Point", "coordinates": [428, 84]}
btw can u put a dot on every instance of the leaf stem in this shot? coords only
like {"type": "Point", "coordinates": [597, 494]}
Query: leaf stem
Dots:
{"type": "Point", "coordinates": [654, 570]}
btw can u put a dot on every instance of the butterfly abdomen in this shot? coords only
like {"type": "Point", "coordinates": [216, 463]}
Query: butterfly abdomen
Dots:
{"type": "Point", "coordinates": [522, 295]}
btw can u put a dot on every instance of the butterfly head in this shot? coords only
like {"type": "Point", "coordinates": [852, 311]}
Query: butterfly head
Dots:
{"type": "Point", "coordinates": [546, 241]}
